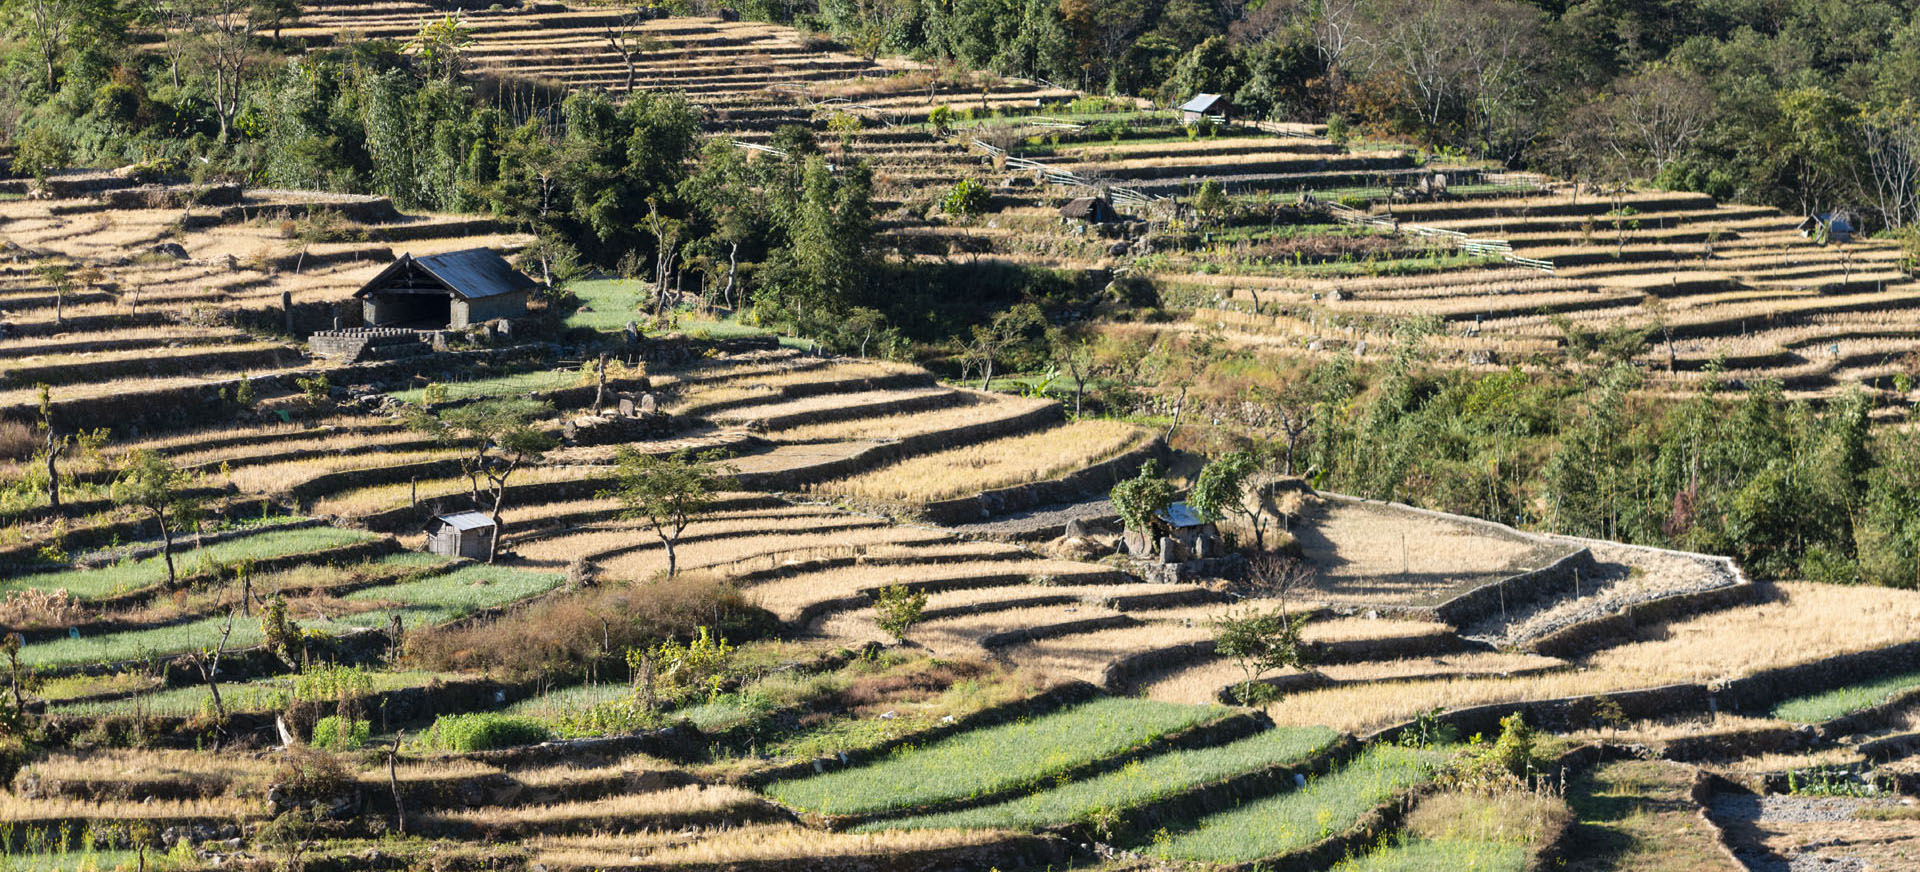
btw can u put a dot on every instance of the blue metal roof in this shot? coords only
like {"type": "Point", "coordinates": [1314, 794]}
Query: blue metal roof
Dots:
{"type": "Point", "coordinates": [464, 521]}
{"type": "Point", "coordinates": [1200, 103]}
{"type": "Point", "coordinates": [472, 274]}
{"type": "Point", "coordinates": [1180, 515]}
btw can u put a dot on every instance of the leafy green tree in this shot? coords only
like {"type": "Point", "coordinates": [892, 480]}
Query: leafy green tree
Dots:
{"type": "Point", "coordinates": [896, 608]}
{"type": "Point", "coordinates": [1210, 201]}
{"type": "Point", "coordinates": [821, 271]}
{"type": "Point", "coordinates": [498, 437]}
{"type": "Point", "coordinates": [1008, 329]}
{"type": "Point", "coordinates": [669, 493]}
{"type": "Point", "coordinates": [1137, 499]}
{"type": "Point", "coordinates": [967, 199]}
{"type": "Point", "coordinates": [1229, 487]}
{"type": "Point", "coordinates": [151, 483]}
{"type": "Point", "coordinates": [1261, 642]}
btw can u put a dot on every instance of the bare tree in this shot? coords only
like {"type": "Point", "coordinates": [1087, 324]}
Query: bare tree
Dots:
{"type": "Point", "coordinates": [1656, 116]}
{"type": "Point", "coordinates": [1891, 140]}
{"type": "Point", "coordinates": [627, 40]}
{"type": "Point", "coordinates": [207, 660]}
{"type": "Point", "coordinates": [222, 48]}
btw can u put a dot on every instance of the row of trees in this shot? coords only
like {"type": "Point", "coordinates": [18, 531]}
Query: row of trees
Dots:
{"type": "Point", "coordinates": [1805, 106]}
{"type": "Point", "coordinates": [1791, 488]}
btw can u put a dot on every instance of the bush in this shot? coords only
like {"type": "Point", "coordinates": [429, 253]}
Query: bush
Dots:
{"type": "Point", "coordinates": [1337, 132]}
{"type": "Point", "coordinates": [897, 608]}
{"type": "Point", "coordinates": [967, 199]}
{"type": "Point", "coordinates": [333, 733]}
{"type": "Point", "coordinates": [484, 731]}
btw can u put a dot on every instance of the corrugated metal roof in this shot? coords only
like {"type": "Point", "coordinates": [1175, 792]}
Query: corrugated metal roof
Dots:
{"type": "Point", "coordinates": [1180, 515]}
{"type": "Point", "coordinates": [464, 521]}
{"type": "Point", "coordinates": [1200, 103]}
{"type": "Point", "coordinates": [476, 272]}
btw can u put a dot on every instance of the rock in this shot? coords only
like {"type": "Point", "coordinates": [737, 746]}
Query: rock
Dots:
{"type": "Point", "coordinates": [1076, 529]}
{"type": "Point", "coordinates": [171, 249]}
{"type": "Point", "coordinates": [1118, 249]}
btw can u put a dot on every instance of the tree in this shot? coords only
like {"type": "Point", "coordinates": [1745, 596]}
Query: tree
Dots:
{"type": "Point", "coordinates": [941, 117]}
{"type": "Point", "coordinates": [151, 483]}
{"type": "Point", "coordinates": [222, 49]}
{"type": "Point", "coordinates": [1007, 329]}
{"type": "Point", "coordinates": [442, 45]}
{"type": "Point", "coordinates": [628, 41]}
{"type": "Point", "coordinates": [207, 661]}
{"type": "Point", "coordinates": [967, 199]}
{"type": "Point", "coordinates": [1261, 642]}
{"type": "Point", "coordinates": [1210, 202]}
{"type": "Point", "coordinates": [498, 437]}
{"type": "Point", "coordinates": [60, 279]}
{"type": "Point", "coordinates": [1230, 486]}
{"type": "Point", "coordinates": [1139, 498]}
{"type": "Point", "coordinates": [896, 608]}
{"type": "Point", "coordinates": [1891, 139]}
{"type": "Point", "coordinates": [273, 15]}
{"type": "Point", "coordinates": [56, 444]}
{"type": "Point", "coordinates": [1075, 354]}
{"type": "Point", "coordinates": [1657, 115]}
{"type": "Point", "coordinates": [666, 236]}
{"type": "Point", "coordinates": [668, 493]}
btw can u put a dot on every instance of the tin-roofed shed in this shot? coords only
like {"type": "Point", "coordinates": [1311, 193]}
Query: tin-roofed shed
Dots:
{"type": "Point", "coordinates": [1206, 106]}
{"type": "Point", "coordinates": [445, 291]}
{"type": "Point", "coordinates": [461, 534]}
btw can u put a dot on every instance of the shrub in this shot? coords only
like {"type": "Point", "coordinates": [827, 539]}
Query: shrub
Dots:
{"type": "Point", "coordinates": [1337, 131]}
{"type": "Point", "coordinates": [334, 733]}
{"type": "Point", "coordinates": [967, 199]}
{"type": "Point", "coordinates": [569, 635]}
{"type": "Point", "coordinates": [484, 731]}
{"type": "Point", "coordinates": [896, 608]}
{"type": "Point", "coordinates": [941, 117]}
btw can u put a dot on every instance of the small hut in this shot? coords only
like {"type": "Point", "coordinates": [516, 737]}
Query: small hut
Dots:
{"type": "Point", "coordinates": [1093, 210]}
{"type": "Point", "coordinates": [449, 291]}
{"type": "Point", "coordinates": [1201, 106]}
{"type": "Point", "coordinates": [461, 534]}
{"type": "Point", "coordinates": [1828, 227]}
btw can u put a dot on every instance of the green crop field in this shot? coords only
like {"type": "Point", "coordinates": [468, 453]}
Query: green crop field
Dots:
{"type": "Point", "coordinates": [135, 574]}
{"type": "Point", "coordinates": [1441, 855]}
{"type": "Point", "coordinates": [1327, 805]}
{"type": "Point", "coordinates": [1814, 708]}
{"type": "Point", "coordinates": [264, 695]}
{"type": "Point", "coordinates": [432, 600]}
{"type": "Point", "coordinates": [992, 759]}
{"type": "Point", "coordinates": [1138, 782]}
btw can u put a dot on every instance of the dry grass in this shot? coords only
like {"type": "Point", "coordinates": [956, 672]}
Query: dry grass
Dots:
{"type": "Point", "coordinates": [143, 765]}
{"type": "Point", "coordinates": [979, 409]}
{"type": "Point", "coordinates": [1201, 683]}
{"type": "Point", "coordinates": [367, 500]}
{"type": "Point", "coordinates": [631, 809]}
{"type": "Point", "coordinates": [1809, 622]}
{"type": "Point", "coordinates": [748, 844]}
{"type": "Point", "coordinates": [271, 478]}
{"type": "Point", "coordinates": [1759, 764]}
{"type": "Point", "coordinates": [994, 464]}
{"type": "Point", "coordinates": [1371, 553]}
{"type": "Point", "coordinates": [788, 596]}
{"type": "Point", "coordinates": [18, 810]}
{"type": "Point", "coordinates": [646, 563]}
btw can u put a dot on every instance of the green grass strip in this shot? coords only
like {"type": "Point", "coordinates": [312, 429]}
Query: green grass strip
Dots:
{"type": "Point", "coordinates": [1295, 819]}
{"type": "Point", "coordinates": [135, 574]}
{"type": "Point", "coordinates": [424, 602]}
{"type": "Point", "coordinates": [516, 384]}
{"type": "Point", "coordinates": [995, 758]}
{"type": "Point", "coordinates": [1819, 707]}
{"type": "Point", "coordinates": [1139, 782]}
{"type": "Point", "coordinates": [263, 695]}
{"type": "Point", "coordinates": [1441, 855]}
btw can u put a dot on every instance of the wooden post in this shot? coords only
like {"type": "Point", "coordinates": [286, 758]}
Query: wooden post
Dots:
{"type": "Point", "coordinates": [286, 310]}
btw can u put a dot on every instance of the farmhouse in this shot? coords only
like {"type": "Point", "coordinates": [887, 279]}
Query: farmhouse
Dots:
{"type": "Point", "coordinates": [461, 534]}
{"type": "Point", "coordinates": [1828, 227]}
{"type": "Point", "coordinates": [445, 291]}
{"type": "Point", "coordinates": [1206, 106]}
{"type": "Point", "coordinates": [1094, 210]}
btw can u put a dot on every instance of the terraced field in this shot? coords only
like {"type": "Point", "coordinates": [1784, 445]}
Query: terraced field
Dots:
{"type": "Point", "coordinates": [1044, 709]}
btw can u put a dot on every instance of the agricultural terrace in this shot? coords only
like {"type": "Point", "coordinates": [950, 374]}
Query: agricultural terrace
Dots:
{"type": "Point", "coordinates": [874, 643]}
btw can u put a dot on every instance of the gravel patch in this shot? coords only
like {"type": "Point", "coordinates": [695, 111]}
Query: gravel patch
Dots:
{"type": "Point", "coordinates": [1757, 825]}
{"type": "Point", "coordinates": [1629, 576]}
